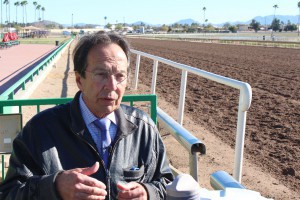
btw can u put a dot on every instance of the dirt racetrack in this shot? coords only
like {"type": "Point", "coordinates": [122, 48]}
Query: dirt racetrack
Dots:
{"type": "Point", "coordinates": [271, 163]}
{"type": "Point", "coordinates": [273, 130]}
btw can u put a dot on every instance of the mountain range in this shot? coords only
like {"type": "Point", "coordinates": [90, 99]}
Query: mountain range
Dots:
{"type": "Point", "coordinates": [263, 20]}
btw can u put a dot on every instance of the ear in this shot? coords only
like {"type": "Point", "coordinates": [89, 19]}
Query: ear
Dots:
{"type": "Point", "coordinates": [78, 79]}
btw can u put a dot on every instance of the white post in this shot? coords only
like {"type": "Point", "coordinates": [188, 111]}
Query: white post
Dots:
{"type": "Point", "coordinates": [193, 159]}
{"type": "Point", "coordinates": [240, 138]}
{"type": "Point", "coordinates": [154, 76]}
{"type": "Point", "coordinates": [137, 69]}
{"type": "Point", "coordinates": [182, 96]}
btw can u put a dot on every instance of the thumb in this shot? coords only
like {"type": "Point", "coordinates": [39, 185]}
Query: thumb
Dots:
{"type": "Point", "coordinates": [90, 170]}
{"type": "Point", "coordinates": [124, 186]}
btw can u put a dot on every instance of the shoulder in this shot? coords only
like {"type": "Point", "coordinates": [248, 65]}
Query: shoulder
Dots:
{"type": "Point", "coordinates": [136, 115]}
{"type": "Point", "coordinates": [50, 116]}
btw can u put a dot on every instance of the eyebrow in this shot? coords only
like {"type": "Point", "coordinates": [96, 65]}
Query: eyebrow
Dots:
{"type": "Point", "coordinates": [104, 70]}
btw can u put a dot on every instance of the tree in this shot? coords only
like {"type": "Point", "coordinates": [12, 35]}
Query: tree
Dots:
{"type": "Point", "coordinates": [275, 7]}
{"type": "Point", "coordinates": [164, 28]}
{"type": "Point", "coordinates": [290, 27]}
{"type": "Point", "coordinates": [119, 26]}
{"type": "Point", "coordinates": [17, 4]}
{"type": "Point", "coordinates": [6, 2]}
{"type": "Point", "coordinates": [108, 25]}
{"type": "Point", "coordinates": [275, 25]}
{"type": "Point", "coordinates": [255, 25]}
{"type": "Point", "coordinates": [233, 29]}
{"type": "Point", "coordinates": [35, 4]}
{"type": "Point", "coordinates": [23, 4]}
{"type": "Point", "coordinates": [39, 8]}
{"type": "Point", "coordinates": [43, 10]}
{"type": "Point", "coordinates": [1, 14]}
{"type": "Point", "coordinates": [105, 20]}
{"type": "Point", "coordinates": [204, 9]}
{"type": "Point", "coordinates": [226, 25]}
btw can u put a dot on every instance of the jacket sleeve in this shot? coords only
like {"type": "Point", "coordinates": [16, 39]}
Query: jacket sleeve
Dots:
{"type": "Point", "coordinates": [162, 175]}
{"type": "Point", "coordinates": [26, 178]}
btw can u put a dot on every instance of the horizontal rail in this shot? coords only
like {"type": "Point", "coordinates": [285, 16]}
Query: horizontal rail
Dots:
{"type": "Point", "coordinates": [56, 101]}
{"type": "Point", "coordinates": [192, 144]}
{"type": "Point", "coordinates": [221, 180]}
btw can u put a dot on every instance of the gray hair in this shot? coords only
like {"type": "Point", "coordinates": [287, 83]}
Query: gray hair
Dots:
{"type": "Point", "coordinates": [87, 42]}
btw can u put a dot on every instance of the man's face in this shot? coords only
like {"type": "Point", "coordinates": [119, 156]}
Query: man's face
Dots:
{"type": "Point", "coordinates": [106, 77]}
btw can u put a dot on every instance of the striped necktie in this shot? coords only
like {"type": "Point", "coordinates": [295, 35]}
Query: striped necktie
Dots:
{"type": "Point", "coordinates": [103, 124]}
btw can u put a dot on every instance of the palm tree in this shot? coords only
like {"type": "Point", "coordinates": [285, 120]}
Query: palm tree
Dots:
{"type": "Point", "coordinates": [275, 7]}
{"type": "Point", "coordinates": [17, 4]}
{"type": "Point", "coordinates": [204, 9]}
{"type": "Point", "coordinates": [39, 8]}
{"type": "Point", "coordinates": [1, 13]}
{"type": "Point", "coordinates": [43, 10]}
{"type": "Point", "coordinates": [34, 3]}
{"type": "Point", "coordinates": [105, 20]}
{"type": "Point", "coordinates": [23, 4]}
{"type": "Point", "coordinates": [298, 17]}
{"type": "Point", "coordinates": [6, 2]}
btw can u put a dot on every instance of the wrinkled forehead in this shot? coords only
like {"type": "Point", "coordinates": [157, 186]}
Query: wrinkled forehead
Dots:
{"type": "Point", "coordinates": [111, 54]}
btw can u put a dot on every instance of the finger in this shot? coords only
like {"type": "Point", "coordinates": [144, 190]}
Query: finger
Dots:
{"type": "Point", "coordinates": [90, 181]}
{"type": "Point", "coordinates": [128, 186]}
{"type": "Point", "coordinates": [88, 197]}
{"type": "Point", "coordinates": [131, 190]}
{"type": "Point", "coordinates": [88, 190]}
{"type": "Point", "coordinates": [90, 170]}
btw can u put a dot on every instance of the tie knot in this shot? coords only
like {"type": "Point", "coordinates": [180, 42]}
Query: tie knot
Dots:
{"type": "Point", "coordinates": [103, 124]}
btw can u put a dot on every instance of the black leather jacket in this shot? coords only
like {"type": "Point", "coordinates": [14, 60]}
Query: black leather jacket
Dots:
{"type": "Point", "coordinates": [58, 139]}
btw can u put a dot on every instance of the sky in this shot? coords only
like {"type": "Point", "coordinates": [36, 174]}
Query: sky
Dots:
{"type": "Point", "coordinates": [153, 11]}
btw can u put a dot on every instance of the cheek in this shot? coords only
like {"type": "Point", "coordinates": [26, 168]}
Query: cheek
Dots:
{"type": "Point", "coordinates": [120, 93]}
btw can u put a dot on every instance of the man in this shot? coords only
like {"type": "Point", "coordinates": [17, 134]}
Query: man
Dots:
{"type": "Point", "coordinates": [66, 152]}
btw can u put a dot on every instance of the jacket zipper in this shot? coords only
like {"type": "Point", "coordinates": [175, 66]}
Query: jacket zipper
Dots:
{"type": "Point", "coordinates": [106, 169]}
{"type": "Point", "coordinates": [110, 150]}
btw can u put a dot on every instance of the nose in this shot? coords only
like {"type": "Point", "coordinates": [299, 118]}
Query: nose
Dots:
{"type": "Point", "coordinates": [111, 83]}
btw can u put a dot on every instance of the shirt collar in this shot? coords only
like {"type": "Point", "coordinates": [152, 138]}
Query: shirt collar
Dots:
{"type": "Point", "coordinates": [89, 117]}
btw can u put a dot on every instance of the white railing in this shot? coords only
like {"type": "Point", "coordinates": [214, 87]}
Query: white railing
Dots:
{"type": "Point", "coordinates": [244, 99]}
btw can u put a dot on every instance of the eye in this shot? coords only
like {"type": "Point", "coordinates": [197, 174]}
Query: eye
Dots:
{"type": "Point", "coordinates": [100, 74]}
{"type": "Point", "coordinates": [120, 76]}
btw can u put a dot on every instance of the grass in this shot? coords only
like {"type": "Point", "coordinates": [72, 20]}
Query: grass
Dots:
{"type": "Point", "coordinates": [48, 40]}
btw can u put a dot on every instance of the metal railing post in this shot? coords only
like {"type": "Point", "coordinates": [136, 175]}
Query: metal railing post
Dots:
{"type": "Point", "coordinates": [193, 160]}
{"type": "Point", "coordinates": [154, 77]}
{"type": "Point", "coordinates": [182, 96]}
{"type": "Point", "coordinates": [137, 69]}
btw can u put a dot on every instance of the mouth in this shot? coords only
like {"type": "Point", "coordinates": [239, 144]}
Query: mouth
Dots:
{"type": "Point", "coordinates": [108, 99]}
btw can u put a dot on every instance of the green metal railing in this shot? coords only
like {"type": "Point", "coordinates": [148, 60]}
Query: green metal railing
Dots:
{"type": "Point", "coordinates": [20, 103]}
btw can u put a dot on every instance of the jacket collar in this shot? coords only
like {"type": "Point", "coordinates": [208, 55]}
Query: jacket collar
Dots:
{"type": "Point", "coordinates": [126, 126]}
{"type": "Point", "coordinates": [78, 126]}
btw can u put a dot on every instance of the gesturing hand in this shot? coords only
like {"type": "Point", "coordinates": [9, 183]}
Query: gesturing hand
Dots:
{"type": "Point", "coordinates": [132, 190]}
{"type": "Point", "coordinates": [76, 184]}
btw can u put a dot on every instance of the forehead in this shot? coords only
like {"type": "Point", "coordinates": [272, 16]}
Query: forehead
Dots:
{"type": "Point", "coordinates": [111, 53]}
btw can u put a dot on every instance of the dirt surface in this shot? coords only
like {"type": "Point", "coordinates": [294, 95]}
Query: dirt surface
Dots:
{"type": "Point", "coordinates": [271, 164]}
{"type": "Point", "coordinates": [273, 130]}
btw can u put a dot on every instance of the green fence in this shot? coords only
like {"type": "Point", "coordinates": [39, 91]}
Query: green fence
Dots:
{"type": "Point", "coordinates": [20, 103]}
